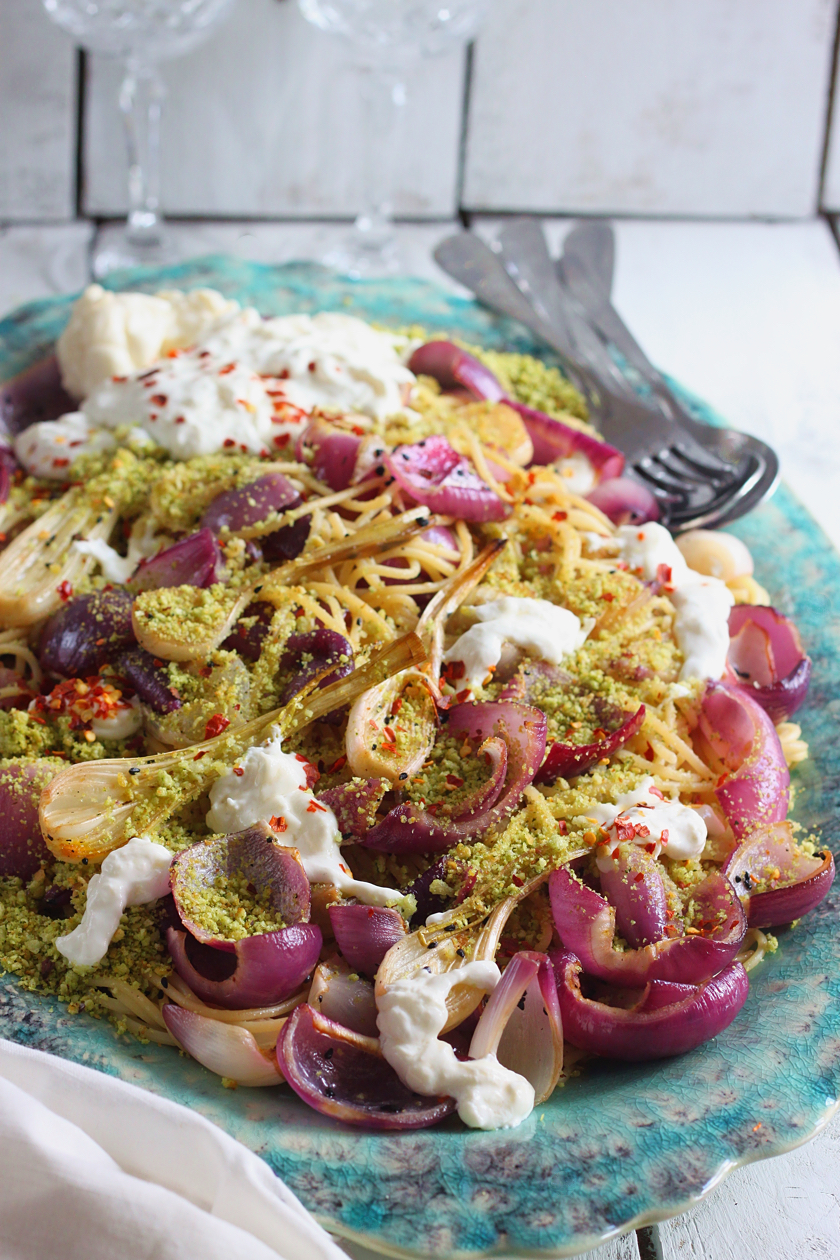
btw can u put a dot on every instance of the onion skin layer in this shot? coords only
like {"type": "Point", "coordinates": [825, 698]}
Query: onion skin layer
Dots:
{"type": "Point", "coordinates": [364, 934]}
{"type": "Point", "coordinates": [800, 882]}
{"type": "Point", "coordinates": [743, 737]}
{"type": "Point", "coordinates": [766, 654]}
{"type": "Point", "coordinates": [343, 1075]}
{"type": "Point", "coordinates": [585, 922]}
{"type": "Point", "coordinates": [259, 971]}
{"type": "Point", "coordinates": [658, 1032]}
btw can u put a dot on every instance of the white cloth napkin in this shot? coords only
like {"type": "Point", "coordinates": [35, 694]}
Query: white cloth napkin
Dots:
{"type": "Point", "coordinates": [92, 1168]}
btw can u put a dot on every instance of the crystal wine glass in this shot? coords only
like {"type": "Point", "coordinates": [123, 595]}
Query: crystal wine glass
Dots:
{"type": "Point", "coordinates": [142, 33]}
{"type": "Point", "coordinates": [386, 37]}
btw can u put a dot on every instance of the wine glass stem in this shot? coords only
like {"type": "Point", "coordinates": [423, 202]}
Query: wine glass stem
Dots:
{"type": "Point", "coordinates": [141, 102]}
{"type": "Point", "coordinates": [383, 94]}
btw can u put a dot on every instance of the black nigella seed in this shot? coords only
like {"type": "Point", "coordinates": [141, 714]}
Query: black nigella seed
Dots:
{"type": "Point", "coordinates": [450, 927]}
{"type": "Point", "coordinates": [84, 861]}
{"type": "Point", "coordinates": [329, 1092]}
{"type": "Point", "coordinates": [747, 881]}
{"type": "Point", "coordinates": [328, 1054]}
{"type": "Point", "coordinates": [460, 953]}
{"type": "Point", "coordinates": [432, 945]}
{"type": "Point", "coordinates": [404, 775]}
{"type": "Point", "coordinates": [380, 470]}
{"type": "Point", "coordinates": [134, 770]}
{"type": "Point", "coordinates": [406, 457]}
{"type": "Point", "coordinates": [521, 1003]}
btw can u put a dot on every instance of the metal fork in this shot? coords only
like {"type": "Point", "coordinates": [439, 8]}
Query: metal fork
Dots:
{"type": "Point", "coordinates": [701, 476]}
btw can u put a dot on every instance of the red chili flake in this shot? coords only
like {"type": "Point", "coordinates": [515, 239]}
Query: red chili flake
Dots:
{"type": "Point", "coordinates": [338, 764]}
{"type": "Point", "coordinates": [314, 808]}
{"type": "Point", "coordinates": [608, 596]}
{"type": "Point", "coordinates": [654, 791]}
{"type": "Point", "coordinates": [637, 879]}
{"type": "Point", "coordinates": [243, 448]}
{"type": "Point", "coordinates": [65, 591]}
{"type": "Point", "coordinates": [559, 516]}
{"type": "Point", "coordinates": [358, 430]}
{"type": "Point", "coordinates": [228, 442]}
{"type": "Point", "coordinates": [454, 670]}
{"type": "Point", "coordinates": [651, 848]}
{"type": "Point", "coordinates": [180, 420]}
{"type": "Point", "coordinates": [300, 612]}
{"type": "Point", "coordinates": [172, 354]}
{"type": "Point", "coordinates": [664, 836]}
{"type": "Point", "coordinates": [238, 771]}
{"type": "Point", "coordinates": [283, 374]}
{"type": "Point", "coordinates": [454, 781]}
{"type": "Point", "coordinates": [147, 376]}
{"type": "Point", "coordinates": [34, 718]}
{"type": "Point", "coordinates": [282, 439]}
{"type": "Point", "coordinates": [397, 705]}
{"type": "Point", "coordinates": [159, 400]}
{"type": "Point", "coordinates": [756, 1127]}
{"type": "Point", "coordinates": [228, 368]}
{"type": "Point", "coordinates": [649, 753]}
{"type": "Point", "coordinates": [462, 696]}
{"type": "Point", "coordinates": [722, 779]}
{"type": "Point", "coordinates": [389, 734]}
{"type": "Point", "coordinates": [99, 642]}
{"type": "Point", "coordinates": [118, 380]}
{"type": "Point", "coordinates": [204, 354]}
{"type": "Point", "coordinates": [532, 477]}
{"type": "Point", "coordinates": [60, 463]}
{"type": "Point", "coordinates": [562, 827]}
{"type": "Point", "coordinates": [517, 880]}
{"type": "Point", "coordinates": [205, 671]}
{"type": "Point", "coordinates": [313, 366]}
{"type": "Point", "coordinates": [198, 756]}
{"type": "Point", "coordinates": [215, 725]}
{"type": "Point", "coordinates": [278, 823]}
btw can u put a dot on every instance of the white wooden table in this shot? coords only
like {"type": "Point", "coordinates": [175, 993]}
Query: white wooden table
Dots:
{"type": "Point", "coordinates": [748, 316]}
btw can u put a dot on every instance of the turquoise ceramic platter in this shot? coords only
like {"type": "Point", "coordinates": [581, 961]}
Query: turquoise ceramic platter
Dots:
{"type": "Point", "coordinates": [620, 1145]}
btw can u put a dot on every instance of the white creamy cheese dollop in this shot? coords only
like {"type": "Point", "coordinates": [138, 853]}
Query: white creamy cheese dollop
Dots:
{"type": "Point", "coordinates": [702, 603]}
{"type": "Point", "coordinates": [536, 626]}
{"type": "Point", "coordinates": [413, 1014]}
{"type": "Point", "coordinates": [121, 723]}
{"type": "Point", "coordinates": [131, 876]}
{"type": "Point", "coordinates": [272, 784]}
{"type": "Point", "coordinates": [116, 334]}
{"type": "Point", "coordinates": [676, 830]}
{"type": "Point", "coordinates": [47, 449]}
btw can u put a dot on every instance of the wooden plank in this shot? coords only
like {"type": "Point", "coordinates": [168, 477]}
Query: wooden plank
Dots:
{"type": "Point", "coordinates": [780, 1209]}
{"type": "Point", "coordinates": [287, 242]}
{"type": "Point", "coordinates": [37, 106]}
{"type": "Point", "coordinates": [38, 262]}
{"type": "Point", "coordinates": [264, 120]}
{"type": "Point", "coordinates": [651, 107]}
{"type": "Point", "coordinates": [748, 316]}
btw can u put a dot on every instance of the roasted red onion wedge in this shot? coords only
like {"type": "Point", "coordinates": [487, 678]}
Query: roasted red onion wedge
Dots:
{"type": "Point", "coordinates": [453, 368]}
{"type": "Point", "coordinates": [585, 922]}
{"type": "Point", "coordinates": [344, 997]}
{"type": "Point", "coordinates": [257, 970]}
{"type": "Point", "coordinates": [355, 804]}
{"type": "Point", "coordinates": [775, 880]}
{"type": "Point", "coordinates": [364, 934]}
{"type": "Point", "coordinates": [260, 971]}
{"type": "Point", "coordinates": [410, 829]}
{"type": "Point", "coordinates": [624, 502]}
{"type": "Point", "coordinates": [656, 1027]}
{"type": "Point", "coordinates": [434, 474]}
{"type": "Point", "coordinates": [333, 453]}
{"type": "Point", "coordinates": [743, 738]}
{"type": "Point", "coordinates": [766, 655]}
{"type": "Point", "coordinates": [343, 1075]}
{"type": "Point", "coordinates": [22, 847]}
{"type": "Point", "coordinates": [253, 854]}
{"type": "Point", "coordinates": [321, 650]}
{"type": "Point", "coordinates": [562, 761]}
{"type": "Point", "coordinates": [33, 395]}
{"type": "Point", "coordinates": [225, 1049]}
{"type": "Point", "coordinates": [194, 561]}
{"type": "Point", "coordinates": [149, 679]}
{"type": "Point", "coordinates": [632, 884]}
{"type": "Point", "coordinates": [521, 1023]}
{"type": "Point", "coordinates": [239, 510]}
{"type": "Point", "coordinates": [85, 633]}
{"type": "Point", "coordinates": [248, 640]}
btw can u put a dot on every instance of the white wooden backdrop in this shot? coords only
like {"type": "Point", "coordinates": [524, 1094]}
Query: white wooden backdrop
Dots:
{"type": "Point", "coordinates": [664, 107]}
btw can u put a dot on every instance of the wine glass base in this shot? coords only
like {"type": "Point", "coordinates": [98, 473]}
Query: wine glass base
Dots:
{"type": "Point", "coordinates": [363, 258]}
{"type": "Point", "coordinates": [120, 250]}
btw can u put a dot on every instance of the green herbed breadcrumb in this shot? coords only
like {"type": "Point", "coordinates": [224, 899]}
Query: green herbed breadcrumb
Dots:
{"type": "Point", "coordinates": [230, 908]}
